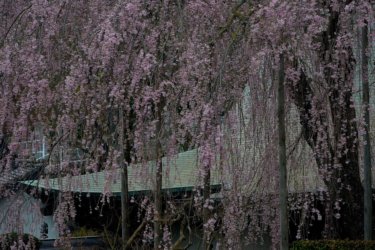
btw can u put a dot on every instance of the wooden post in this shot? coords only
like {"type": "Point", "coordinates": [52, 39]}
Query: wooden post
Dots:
{"type": "Point", "coordinates": [284, 244]}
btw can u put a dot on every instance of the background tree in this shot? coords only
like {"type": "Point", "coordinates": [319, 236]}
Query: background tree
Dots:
{"type": "Point", "coordinates": [197, 74]}
{"type": "Point", "coordinates": [320, 71]}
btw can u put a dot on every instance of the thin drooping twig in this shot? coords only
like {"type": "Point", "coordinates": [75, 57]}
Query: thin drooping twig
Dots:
{"type": "Point", "coordinates": [14, 21]}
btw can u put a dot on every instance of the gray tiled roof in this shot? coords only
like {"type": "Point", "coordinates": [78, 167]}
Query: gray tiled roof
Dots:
{"type": "Point", "coordinates": [178, 174]}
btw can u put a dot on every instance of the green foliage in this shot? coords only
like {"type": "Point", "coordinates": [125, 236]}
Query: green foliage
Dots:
{"type": "Point", "coordinates": [8, 240]}
{"type": "Point", "coordinates": [83, 231]}
{"type": "Point", "coordinates": [333, 245]}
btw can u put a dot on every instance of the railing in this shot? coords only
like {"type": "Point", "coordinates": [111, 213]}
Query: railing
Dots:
{"type": "Point", "coordinates": [31, 155]}
{"type": "Point", "coordinates": [32, 150]}
{"type": "Point", "coordinates": [38, 150]}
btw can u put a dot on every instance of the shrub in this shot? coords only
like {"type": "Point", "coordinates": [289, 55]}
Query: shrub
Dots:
{"type": "Point", "coordinates": [83, 231]}
{"type": "Point", "coordinates": [333, 245]}
{"type": "Point", "coordinates": [24, 241]}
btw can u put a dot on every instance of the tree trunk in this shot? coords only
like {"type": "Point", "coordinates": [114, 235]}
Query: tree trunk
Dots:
{"type": "Point", "coordinates": [284, 232]}
{"type": "Point", "coordinates": [158, 196]}
{"type": "Point", "coordinates": [158, 199]}
{"type": "Point", "coordinates": [206, 210]}
{"type": "Point", "coordinates": [367, 148]}
{"type": "Point", "coordinates": [124, 206]}
{"type": "Point", "coordinates": [342, 173]}
{"type": "Point", "coordinates": [336, 154]}
{"type": "Point", "coordinates": [124, 184]}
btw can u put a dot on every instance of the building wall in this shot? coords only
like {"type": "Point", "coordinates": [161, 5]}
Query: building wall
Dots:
{"type": "Point", "coordinates": [21, 213]}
